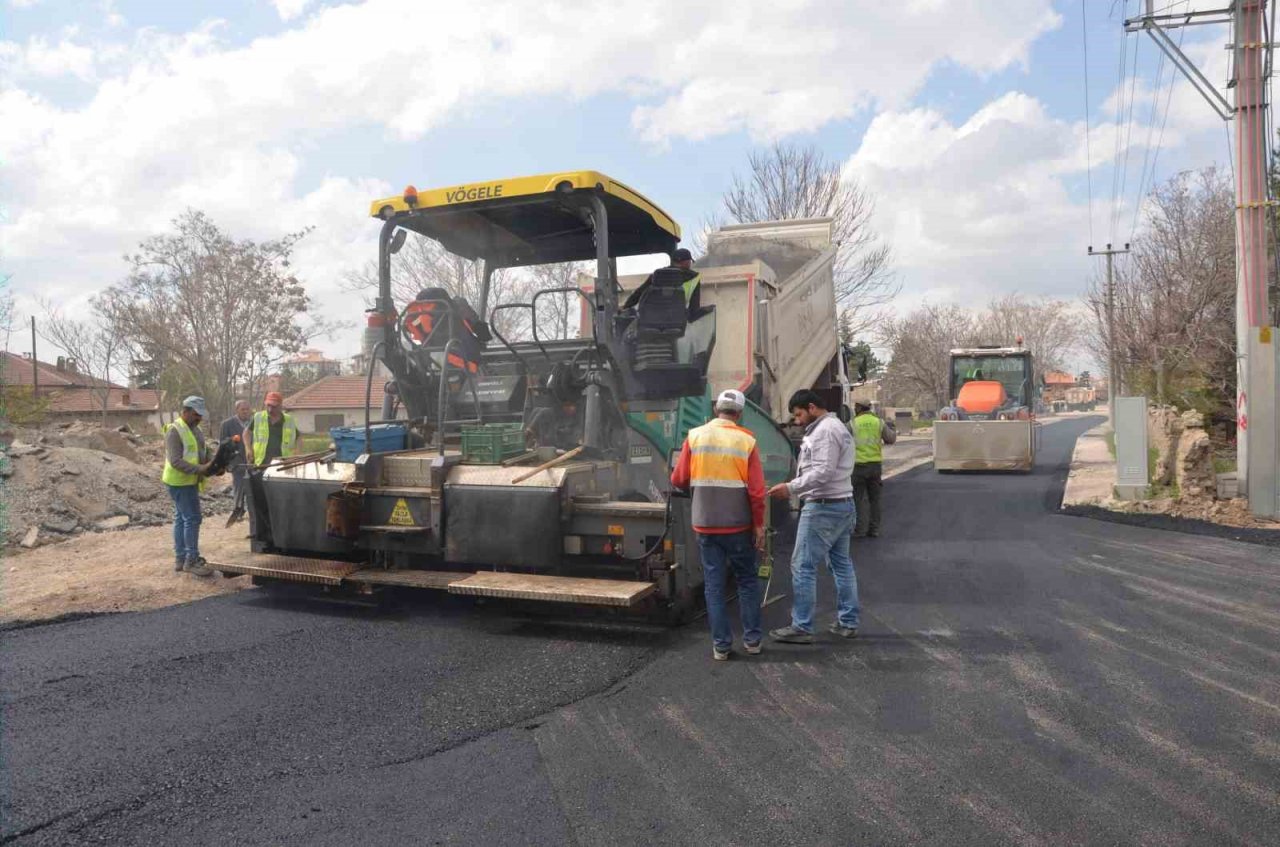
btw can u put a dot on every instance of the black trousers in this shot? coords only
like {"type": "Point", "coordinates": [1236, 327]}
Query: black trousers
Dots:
{"type": "Point", "coordinates": [867, 483]}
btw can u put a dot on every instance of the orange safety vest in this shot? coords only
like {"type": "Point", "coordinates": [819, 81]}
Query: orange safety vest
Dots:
{"type": "Point", "coordinates": [719, 454]}
{"type": "Point", "coordinates": [421, 321]}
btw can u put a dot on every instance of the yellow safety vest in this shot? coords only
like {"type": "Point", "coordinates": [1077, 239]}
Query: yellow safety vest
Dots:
{"type": "Point", "coordinates": [190, 455]}
{"type": "Point", "coordinates": [262, 432]}
{"type": "Point", "coordinates": [689, 287]}
{"type": "Point", "coordinates": [866, 437]}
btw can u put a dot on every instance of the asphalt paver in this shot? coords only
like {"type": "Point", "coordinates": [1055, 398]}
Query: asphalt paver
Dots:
{"type": "Point", "coordinates": [1021, 677]}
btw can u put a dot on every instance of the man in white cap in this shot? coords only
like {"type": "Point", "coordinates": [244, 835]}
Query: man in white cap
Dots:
{"type": "Point", "coordinates": [721, 464]}
{"type": "Point", "coordinates": [185, 466]}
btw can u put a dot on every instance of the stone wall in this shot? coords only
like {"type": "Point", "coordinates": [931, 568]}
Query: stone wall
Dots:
{"type": "Point", "coordinates": [1164, 429]}
{"type": "Point", "coordinates": [1194, 462]}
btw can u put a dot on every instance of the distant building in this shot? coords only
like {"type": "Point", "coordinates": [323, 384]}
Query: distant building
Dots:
{"type": "Point", "coordinates": [334, 401]}
{"type": "Point", "coordinates": [308, 366]}
{"type": "Point", "coordinates": [76, 396]}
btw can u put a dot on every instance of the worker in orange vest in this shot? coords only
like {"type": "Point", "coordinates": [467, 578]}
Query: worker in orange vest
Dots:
{"type": "Point", "coordinates": [720, 463]}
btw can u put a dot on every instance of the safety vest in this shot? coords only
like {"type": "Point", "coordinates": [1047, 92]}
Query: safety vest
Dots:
{"type": "Point", "coordinates": [866, 438]}
{"type": "Point", "coordinates": [689, 287]}
{"type": "Point", "coordinates": [262, 433]}
{"type": "Point", "coordinates": [190, 455]}
{"type": "Point", "coordinates": [719, 452]}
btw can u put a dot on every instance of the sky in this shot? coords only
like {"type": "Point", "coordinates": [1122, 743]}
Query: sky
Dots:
{"type": "Point", "coordinates": [965, 119]}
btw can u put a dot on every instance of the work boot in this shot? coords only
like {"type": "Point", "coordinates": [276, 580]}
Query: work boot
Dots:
{"type": "Point", "coordinates": [791, 635]}
{"type": "Point", "coordinates": [178, 563]}
{"type": "Point", "coordinates": [753, 649]}
{"type": "Point", "coordinates": [842, 630]}
{"type": "Point", "coordinates": [719, 655]}
{"type": "Point", "coordinates": [197, 567]}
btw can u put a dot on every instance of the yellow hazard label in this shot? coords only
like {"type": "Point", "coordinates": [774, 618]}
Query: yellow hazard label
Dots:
{"type": "Point", "coordinates": [400, 515]}
{"type": "Point", "coordinates": [615, 529]}
{"type": "Point", "coordinates": [1264, 335]}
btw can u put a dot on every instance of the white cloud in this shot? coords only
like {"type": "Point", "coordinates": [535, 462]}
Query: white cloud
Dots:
{"type": "Point", "coordinates": [982, 207]}
{"type": "Point", "coordinates": [290, 9]}
{"type": "Point", "coordinates": [186, 120]}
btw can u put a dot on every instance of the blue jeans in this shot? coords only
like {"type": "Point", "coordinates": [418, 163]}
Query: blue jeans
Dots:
{"type": "Point", "coordinates": [186, 521]}
{"type": "Point", "coordinates": [719, 554]}
{"type": "Point", "coordinates": [823, 535]}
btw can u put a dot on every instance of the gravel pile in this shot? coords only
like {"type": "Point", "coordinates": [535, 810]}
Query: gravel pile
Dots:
{"type": "Point", "coordinates": [79, 479]}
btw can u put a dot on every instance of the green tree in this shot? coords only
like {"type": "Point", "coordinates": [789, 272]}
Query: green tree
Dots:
{"type": "Point", "coordinates": [862, 362]}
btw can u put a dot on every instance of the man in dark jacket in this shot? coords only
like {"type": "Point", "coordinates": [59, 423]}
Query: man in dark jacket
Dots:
{"type": "Point", "coordinates": [233, 427]}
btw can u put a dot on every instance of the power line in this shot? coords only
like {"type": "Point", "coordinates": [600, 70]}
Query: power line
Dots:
{"type": "Point", "coordinates": [1088, 146]}
{"type": "Point", "coordinates": [1118, 123]}
{"type": "Point", "coordinates": [1155, 154]}
{"type": "Point", "coordinates": [1128, 139]}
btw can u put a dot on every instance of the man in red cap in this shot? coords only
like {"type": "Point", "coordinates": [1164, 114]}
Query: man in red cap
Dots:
{"type": "Point", "coordinates": [272, 433]}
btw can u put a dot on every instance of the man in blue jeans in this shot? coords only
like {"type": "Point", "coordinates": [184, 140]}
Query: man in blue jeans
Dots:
{"type": "Point", "coordinates": [720, 463]}
{"type": "Point", "coordinates": [823, 484]}
{"type": "Point", "coordinates": [186, 464]}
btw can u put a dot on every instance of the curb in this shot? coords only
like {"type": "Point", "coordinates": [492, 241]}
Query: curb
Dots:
{"type": "Point", "coordinates": [1073, 498]}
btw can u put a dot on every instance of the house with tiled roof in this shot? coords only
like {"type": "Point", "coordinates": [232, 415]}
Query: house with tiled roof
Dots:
{"type": "Point", "coordinates": [333, 401]}
{"type": "Point", "coordinates": [77, 396]}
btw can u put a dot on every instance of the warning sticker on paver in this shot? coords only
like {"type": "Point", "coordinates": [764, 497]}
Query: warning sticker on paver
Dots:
{"type": "Point", "coordinates": [400, 515]}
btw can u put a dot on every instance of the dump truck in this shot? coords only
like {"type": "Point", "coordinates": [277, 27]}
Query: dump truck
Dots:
{"type": "Point", "coordinates": [439, 491]}
{"type": "Point", "coordinates": [776, 330]}
{"type": "Point", "coordinates": [1080, 398]}
{"type": "Point", "coordinates": [990, 423]}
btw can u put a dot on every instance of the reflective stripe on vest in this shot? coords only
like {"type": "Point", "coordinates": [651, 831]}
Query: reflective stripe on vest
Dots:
{"type": "Point", "coordinates": [866, 437]}
{"type": "Point", "coordinates": [719, 452]}
{"type": "Point", "coordinates": [262, 433]}
{"type": "Point", "coordinates": [190, 455]}
{"type": "Point", "coordinates": [689, 287]}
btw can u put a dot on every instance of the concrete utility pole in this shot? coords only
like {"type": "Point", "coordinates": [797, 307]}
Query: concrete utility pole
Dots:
{"type": "Point", "coordinates": [1257, 468]}
{"type": "Point", "coordinates": [1113, 368]}
{"type": "Point", "coordinates": [35, 368]}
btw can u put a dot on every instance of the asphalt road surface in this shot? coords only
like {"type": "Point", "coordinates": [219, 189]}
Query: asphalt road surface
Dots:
{"type": "Point", "coordinates": [1022, 677]}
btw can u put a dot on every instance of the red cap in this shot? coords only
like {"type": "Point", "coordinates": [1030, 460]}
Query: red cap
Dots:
{"type": "Point", "coordinates": [275, 397]}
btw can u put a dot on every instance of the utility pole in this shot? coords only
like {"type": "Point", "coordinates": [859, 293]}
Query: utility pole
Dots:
{"type": "Point", "coordinates": [1257, 462]}
{"type": "Point", "coordinates": [35, 368]}
{"type": "Point", "coordinates": [1113, 368]}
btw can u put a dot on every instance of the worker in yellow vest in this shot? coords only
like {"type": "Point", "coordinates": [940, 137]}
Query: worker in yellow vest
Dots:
{"type": "Point", "coordinates": [720, 463]}
{"type": "Point", "coordinates": [185, 466]}
{"type": "Point", "coordinates": [692, 287]}
{"type": "Point", "coordinates": [869, 432]}
{"type": "Point", "coordinates": [273, 434]}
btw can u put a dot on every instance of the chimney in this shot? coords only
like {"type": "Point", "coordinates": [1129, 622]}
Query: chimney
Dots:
{"type": "Point", "coordinates": [124, 398]}
{"type": "Point", "coordinates": [62, 364]}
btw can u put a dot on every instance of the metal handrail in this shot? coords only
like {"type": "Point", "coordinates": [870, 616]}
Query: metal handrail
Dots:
{"type": "Point", "coordinates": [563, 290]}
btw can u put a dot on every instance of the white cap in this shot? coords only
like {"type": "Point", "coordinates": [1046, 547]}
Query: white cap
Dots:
{"type": "Point", "coordinates": [731, 400]}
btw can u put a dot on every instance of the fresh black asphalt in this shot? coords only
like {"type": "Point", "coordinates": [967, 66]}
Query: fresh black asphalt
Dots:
{"type": "Point", "coordinates": [1022, 677]}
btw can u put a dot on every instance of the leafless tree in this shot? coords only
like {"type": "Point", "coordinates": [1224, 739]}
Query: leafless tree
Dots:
{"type": "Point", "coordinates": [1049, 328]}
{"type": "Point", "coordinates": [1174, 297]}
{"type": "Point", "coordinates": [94, 346]}
{"type": "Point", "coordinates": [218, 312]}
{"type": "Point", "coordinates": [918, 346]}
{"type": "Point", "coordinates": [7, 315]}
{"type": "Point", "coordinates": [558, 314]}
{"type": "Point", "coordinates": [424, 263]}
{"type": "Point", "coordinates": [788, 182]}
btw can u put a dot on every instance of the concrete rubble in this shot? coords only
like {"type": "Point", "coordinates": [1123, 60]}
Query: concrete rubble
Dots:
{"type": "Point", "coordinates": [65, 480]}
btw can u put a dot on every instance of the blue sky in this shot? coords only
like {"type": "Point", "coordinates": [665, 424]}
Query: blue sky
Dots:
{"type": "Point", "coordinates": [964, 118]}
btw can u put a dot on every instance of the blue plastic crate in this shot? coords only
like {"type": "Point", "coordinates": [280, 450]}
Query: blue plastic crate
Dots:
{"type": "Point", "coordinates": [383, 438]}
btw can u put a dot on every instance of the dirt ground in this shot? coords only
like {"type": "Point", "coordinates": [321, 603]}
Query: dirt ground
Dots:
{"type": "Point", "coordinates": [112, 572]}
